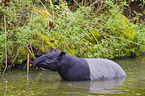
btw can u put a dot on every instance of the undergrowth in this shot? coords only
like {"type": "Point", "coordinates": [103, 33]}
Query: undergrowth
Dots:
{"type": "Point", "coordinates": [87, 32]}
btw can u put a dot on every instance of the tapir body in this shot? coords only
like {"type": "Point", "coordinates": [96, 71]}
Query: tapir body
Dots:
{"type": "Point", "coordinates": [76, 69]}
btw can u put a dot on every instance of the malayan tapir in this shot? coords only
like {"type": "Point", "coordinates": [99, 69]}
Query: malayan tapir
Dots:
{"type": "Point", "coordinates": [76, 69]}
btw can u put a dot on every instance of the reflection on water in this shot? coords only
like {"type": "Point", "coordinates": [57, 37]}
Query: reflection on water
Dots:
{"type": "Point", "coordinates": [49, 83]}
{"type": "Point", "coordinates": [95, 86]}
{"type": "Point", "coordinates": [99, 86]}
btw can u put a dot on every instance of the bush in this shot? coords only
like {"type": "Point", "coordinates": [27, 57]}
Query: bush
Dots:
{"type": "Point", "coordinates": [83, 33]}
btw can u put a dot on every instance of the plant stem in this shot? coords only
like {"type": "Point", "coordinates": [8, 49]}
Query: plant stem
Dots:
{"type": "Point", "coordinates": [5, 45]}
{"type": "Point", "coordinates": [94, 37]}
{"type": "Point", "coordinates": [45, 8]}
{"type": "Point", "coordinates": [15, 57]}
{"type": "Point", "coordinates": [77, 3]}
{"type": "Point", "coordinates": [52, 8]}
{"type": "Point", "coordinates": [32, 54]}
{"type": "Point", "coordinates": [28, 66]}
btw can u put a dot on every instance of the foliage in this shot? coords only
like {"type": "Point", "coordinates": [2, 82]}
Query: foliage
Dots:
{"type": "Point", "coordinates": [89, 35]}
{"type": "Point", "coordinates": [85, 32]}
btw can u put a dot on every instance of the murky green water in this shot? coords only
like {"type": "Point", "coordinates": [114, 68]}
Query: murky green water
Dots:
{"type": "Point", "coordinates": [49, 83]}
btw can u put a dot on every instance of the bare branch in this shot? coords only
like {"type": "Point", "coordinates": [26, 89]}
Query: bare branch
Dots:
{"type": "Point", "coordinates": [32, 54]}
{"type": "Point", "coordinates": [28, 66]}
{"type": "Point", "coordinates": [15, 57]}
{"type": "Point", "coordinates": [5, 45]}
{"type": "Point", "coordinates": [77, 3]}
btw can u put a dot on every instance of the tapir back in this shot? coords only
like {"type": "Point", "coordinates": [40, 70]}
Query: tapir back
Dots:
{"type": "Point", "coordinates": [104, 69]}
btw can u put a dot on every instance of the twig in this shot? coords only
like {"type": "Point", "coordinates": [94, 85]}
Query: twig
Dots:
{"type": "Point", "coordinates": [51, 3]}
{"type": "Point", "coordinates": [28, 66]}
{"type": "Point", "coordinates": [129, 9]}
{"type": "Point", "coordinates": [124, 39]}
{"type": "Point", "coordinates": [15, 57]}
{"type": "Point", "coordinates": [69, 49]}
{"type": "Point", "coordinates": [82, 2]}
{"type": "Point", "coordinates": [5, 46]}
{"type": "Point", "coordinates": [114, 36]}
{"type": "Point", "coordinates": [99, 7]}
{"type": "Point", "coordinates": [6, 87]}
{"type": "Point", "coordinates": [48, 12]}
{"type": "Point", "coordinates": [84, 32]}
{"type": "Point", "coordinates": [94, 37]}
{"type": "Point", "coordinates": [30, 52]}
{"type": "Point", "coordinates": [107, 27]}
{"type": "Point", "coordinates": [25, 23]}
{"type": "Point", "coordinates": [31, 49]}
{"type": "Point", "coordinates": [94, 3]}
{"type": "Point", "coordinates": [77, 3]}
{"type": "Point", "coordinates": [52, 7]}
{"type": "Point", "coordinates": [45, 8]}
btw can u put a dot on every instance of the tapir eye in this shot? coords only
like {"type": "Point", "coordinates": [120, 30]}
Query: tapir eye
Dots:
{"type": "Point", "coordinates": [48, 62]}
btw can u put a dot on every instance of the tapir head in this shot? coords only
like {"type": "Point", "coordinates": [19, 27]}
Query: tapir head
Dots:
{"type": "Point", "coordinates": [51, 61]}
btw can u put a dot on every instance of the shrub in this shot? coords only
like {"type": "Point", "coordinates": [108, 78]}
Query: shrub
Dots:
{"type": "Point", "coordinates": [86, 33]}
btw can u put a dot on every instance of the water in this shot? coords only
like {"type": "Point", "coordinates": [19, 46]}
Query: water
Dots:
{"type": "Point", "coordinates": [48, 83]}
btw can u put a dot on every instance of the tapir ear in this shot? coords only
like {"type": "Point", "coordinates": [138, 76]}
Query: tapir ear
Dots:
{"type": "Point", "coordinates": [62, 54]}
{"type": "Point", "coordinates": [55, 50]}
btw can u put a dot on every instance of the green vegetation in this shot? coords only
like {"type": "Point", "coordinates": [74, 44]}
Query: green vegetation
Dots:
{"type": "Point", "coordinates": [100, 31]}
